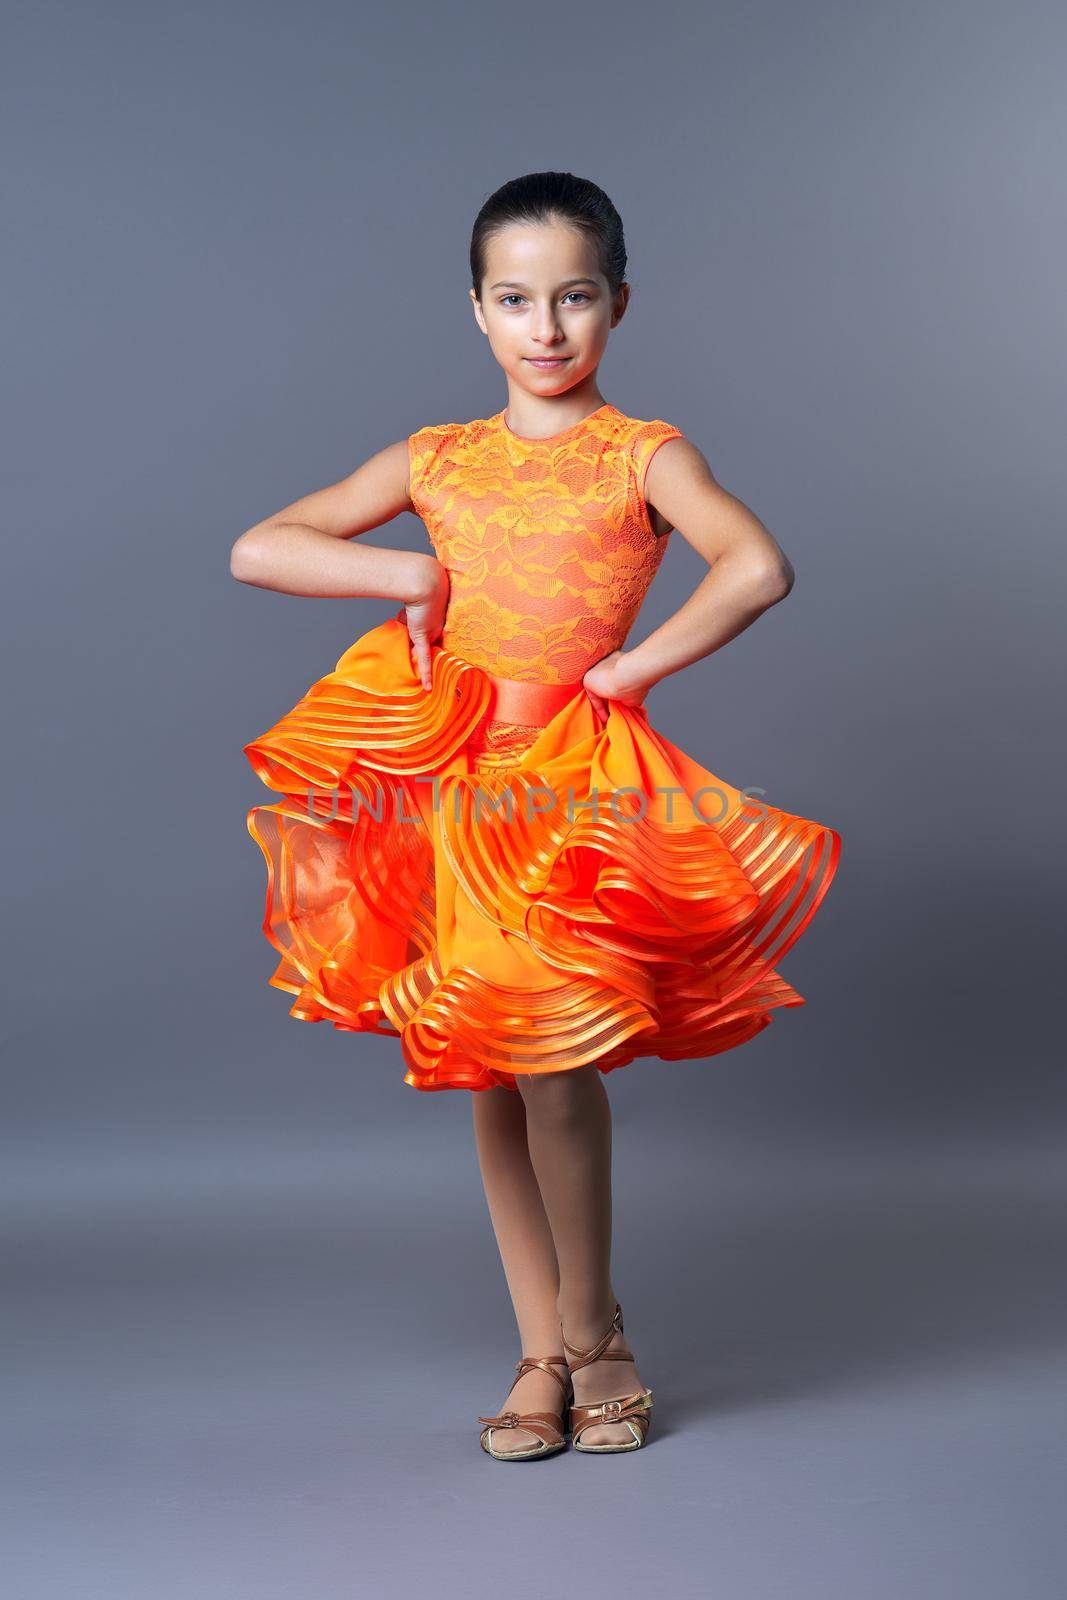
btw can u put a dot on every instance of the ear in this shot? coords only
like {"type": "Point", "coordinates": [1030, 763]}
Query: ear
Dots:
{"type": "Point", "coordinates": [479, 319]}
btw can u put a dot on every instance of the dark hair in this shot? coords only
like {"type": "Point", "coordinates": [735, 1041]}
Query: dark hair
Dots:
{"type": "Point", "coordinates": [542, 196]}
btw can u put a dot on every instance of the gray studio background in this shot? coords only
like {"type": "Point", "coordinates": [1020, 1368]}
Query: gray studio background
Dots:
{"type": "Point", "coordinates": [253, 1303]}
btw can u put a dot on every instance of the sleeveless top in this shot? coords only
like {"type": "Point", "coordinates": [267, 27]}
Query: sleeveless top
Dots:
{"type": "Point", "coordinates": [548, 543]}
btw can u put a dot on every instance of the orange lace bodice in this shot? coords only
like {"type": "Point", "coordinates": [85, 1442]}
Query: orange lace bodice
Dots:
{"type": "Point", "coordinates": [548, 542]}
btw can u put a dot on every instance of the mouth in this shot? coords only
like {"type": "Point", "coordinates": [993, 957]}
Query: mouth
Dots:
{"type": "Point", "coordinates": [547, 362]}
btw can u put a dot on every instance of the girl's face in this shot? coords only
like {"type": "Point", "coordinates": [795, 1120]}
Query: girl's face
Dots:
{"type": "Point", "coordinates": [545, 300]}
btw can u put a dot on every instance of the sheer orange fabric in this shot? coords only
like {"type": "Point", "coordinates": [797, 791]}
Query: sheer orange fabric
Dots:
{"type": "Point", "coordinates": [527, 892]}
{"type": "Point", "coordinates": [547, 542]}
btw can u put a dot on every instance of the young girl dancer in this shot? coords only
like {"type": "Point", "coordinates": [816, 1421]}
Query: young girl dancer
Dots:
{"type": "Point", "coordinates": [483, 847]}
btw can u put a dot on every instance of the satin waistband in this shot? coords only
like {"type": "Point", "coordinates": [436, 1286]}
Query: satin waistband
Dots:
{"type": "Point", "coordinates": [532, 704]}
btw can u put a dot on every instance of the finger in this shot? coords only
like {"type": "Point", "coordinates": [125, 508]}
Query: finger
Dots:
{"type": "Point", "coordinates": [422, 654]}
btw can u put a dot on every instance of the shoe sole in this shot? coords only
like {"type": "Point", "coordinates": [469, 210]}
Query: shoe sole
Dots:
{"type": "Point", "coordinates": [607, 1449]}
{"type": "Point", "coordinates": [524, 1455]}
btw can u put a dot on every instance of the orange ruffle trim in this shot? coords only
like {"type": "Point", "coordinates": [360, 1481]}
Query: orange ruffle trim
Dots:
{"type": "Point", "coordinates": [603, 898]}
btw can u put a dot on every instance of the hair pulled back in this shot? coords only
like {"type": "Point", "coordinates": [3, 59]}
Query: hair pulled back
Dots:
{"type": "Point", "coordinates": [541, 197]}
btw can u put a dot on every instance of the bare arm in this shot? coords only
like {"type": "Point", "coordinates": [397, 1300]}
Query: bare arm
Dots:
{"type": "Point", "coordinates": [307, 548]}
{"type": "Point", "coordinates": [749, 573]}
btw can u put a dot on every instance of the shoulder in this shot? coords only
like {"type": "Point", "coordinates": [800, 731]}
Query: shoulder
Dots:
{"type": "Point", "coordinates": [437, 436]}
{"type": "Point", "coordinates": [434, 449]}
{"type": "Point", "coordinates": [642, 437]}
{"type": "Point", "coordinates": [433, 442]}
{"type": "Point", "coordinates": [433, 435]}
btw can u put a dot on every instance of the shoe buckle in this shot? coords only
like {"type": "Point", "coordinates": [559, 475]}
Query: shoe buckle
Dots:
{"type": "Point", "coordinates": [508, 1419]}
{"type": "Point", "coordinates": [611, 1408]}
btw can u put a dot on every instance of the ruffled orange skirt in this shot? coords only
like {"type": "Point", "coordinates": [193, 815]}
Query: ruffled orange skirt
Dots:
{"type": "Point", "coordinates": [567, 893]}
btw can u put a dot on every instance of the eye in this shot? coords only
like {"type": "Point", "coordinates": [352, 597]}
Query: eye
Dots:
{"type": "Point", "coordinates": [570, 295]}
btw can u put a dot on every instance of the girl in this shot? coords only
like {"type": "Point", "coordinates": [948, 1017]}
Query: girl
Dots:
{"type": "Point", "coordinates": [483, 847]}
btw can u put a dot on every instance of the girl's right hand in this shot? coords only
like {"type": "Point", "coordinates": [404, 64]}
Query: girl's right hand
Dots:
{"type": "Point", "coordinates": [425, 618]}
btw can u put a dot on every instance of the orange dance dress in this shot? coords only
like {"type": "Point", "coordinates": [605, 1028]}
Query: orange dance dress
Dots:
{"type": "Point", "coordinates": [483, 869]}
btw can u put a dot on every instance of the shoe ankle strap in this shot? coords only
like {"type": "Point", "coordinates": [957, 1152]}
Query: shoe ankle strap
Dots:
{"type": "Point", "coordinates": [543, 1364]}
{"type": "Point", "coordinates": [599, 1351]}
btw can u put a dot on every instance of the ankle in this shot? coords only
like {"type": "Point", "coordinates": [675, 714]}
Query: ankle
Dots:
{"type": "Point", "coordinates": [585, 1321]}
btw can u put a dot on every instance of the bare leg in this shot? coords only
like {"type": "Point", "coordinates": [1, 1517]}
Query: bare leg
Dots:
{"type": "Point", "coordinates": [568, 1133]}
{"type": "Point", "coordinates": [527, 1252]}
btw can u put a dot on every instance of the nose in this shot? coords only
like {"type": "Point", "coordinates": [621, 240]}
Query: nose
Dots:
{"type": "Point", "coordinates": [546, 328]}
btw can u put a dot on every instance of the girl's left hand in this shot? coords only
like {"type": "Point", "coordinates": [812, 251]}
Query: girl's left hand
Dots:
{"type": "Point", "coordinates": [605, 681]}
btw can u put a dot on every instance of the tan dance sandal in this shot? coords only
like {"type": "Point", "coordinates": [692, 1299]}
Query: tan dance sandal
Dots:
{"type": "Point", "coordinates": [550, 1428]}
{"type": "Point", "coordinates": [633, 1409]}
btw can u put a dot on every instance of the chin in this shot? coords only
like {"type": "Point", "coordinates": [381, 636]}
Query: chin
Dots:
{"type": "Point", "coordinates": [554, 380]}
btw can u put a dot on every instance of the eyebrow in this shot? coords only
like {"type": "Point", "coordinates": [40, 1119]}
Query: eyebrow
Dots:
{"type": "Point", "coordinates": [570, 284]}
